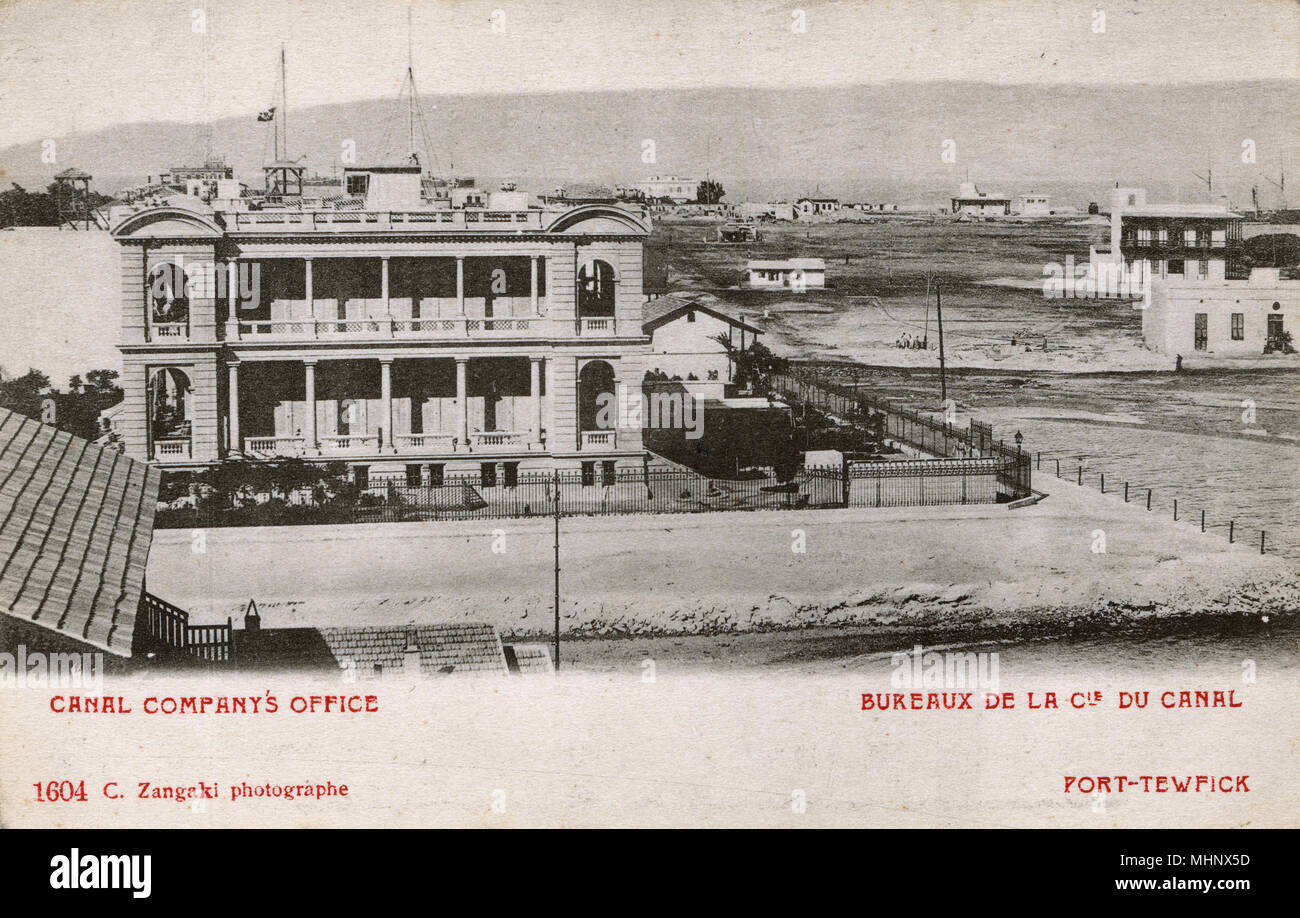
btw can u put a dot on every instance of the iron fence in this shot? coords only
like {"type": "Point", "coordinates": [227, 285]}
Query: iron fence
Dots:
{"type": "Point", "coordinates": [911, 428]}
{"type": "Point", "coordinates": [884, 483]}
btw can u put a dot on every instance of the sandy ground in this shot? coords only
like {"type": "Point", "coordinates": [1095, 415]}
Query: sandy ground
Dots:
{"type": "Point", "coordinates": [932, 568]}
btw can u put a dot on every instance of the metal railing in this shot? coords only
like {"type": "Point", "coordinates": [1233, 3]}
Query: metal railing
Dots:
{"type": "Point", "coordinates": [910, 428]}
{"type": "Point", "coordinates": [599, 490]}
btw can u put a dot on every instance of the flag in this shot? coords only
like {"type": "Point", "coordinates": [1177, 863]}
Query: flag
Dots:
{"type": "Point", "coordinates": [268, 115]}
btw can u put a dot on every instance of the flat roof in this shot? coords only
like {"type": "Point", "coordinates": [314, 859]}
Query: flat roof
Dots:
{"type": "Point", "coordinates": [1193, 211]}
{"type": "Point", "coordinates": [76, 522]}
{"type": "Point", "coordinates": [813, 264]}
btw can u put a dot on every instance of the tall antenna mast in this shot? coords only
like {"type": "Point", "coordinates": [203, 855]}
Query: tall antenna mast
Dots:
{"type": "Point", "coordinates": [410, 78]}
{"type": "Point", "coordinates": [1208, 179]}
{"type": "Point", "coordinates": [284, 107]}
{"type": "Point", "coordinates": [1280, 186]}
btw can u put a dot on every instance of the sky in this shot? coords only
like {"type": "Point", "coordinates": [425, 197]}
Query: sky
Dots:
{"type": "Point", "coordinates": [83, 65]}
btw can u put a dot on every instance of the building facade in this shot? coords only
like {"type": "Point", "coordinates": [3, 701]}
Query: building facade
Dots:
{"type": "Point", "coordinates": [381, 329]}
{"type": "Point", "coordinates": [1191, 316]}
{"type": "Point", "coordinates": [1197, 242]}
{"type": "Point", "coordinates": [676, 188]}
{"type": "Point", "coordinates": [815, 207]}
{"type": "Point", "coordinates": [684, 345]}
{"type": "Point", "coordinates": [973, 202]}
{"type": "Point", "coordinates": [787, 273]}
{"type": "Point", "coordinates": [1034, 204]}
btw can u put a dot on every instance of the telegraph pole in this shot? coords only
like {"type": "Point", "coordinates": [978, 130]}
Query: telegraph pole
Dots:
{"type": "Point", "coordinates": [557, 570]}
{"type": "Point", "coordinates": [943, 381]}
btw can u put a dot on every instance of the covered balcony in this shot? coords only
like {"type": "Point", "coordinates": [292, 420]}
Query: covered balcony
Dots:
{"type": "Point", "coordinates": [390, 297]}
{"type": "Point", "coordinates": [386, 407]}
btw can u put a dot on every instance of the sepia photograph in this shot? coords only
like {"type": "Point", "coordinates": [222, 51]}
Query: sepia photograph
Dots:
{"type": "Point", "coordinates": [876, 414]}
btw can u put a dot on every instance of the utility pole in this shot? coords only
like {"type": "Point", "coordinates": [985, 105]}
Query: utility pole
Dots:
{"type": "Point", "coordinates": [943, 381]}
{"type": "Point", "coordinates": [557, 570]}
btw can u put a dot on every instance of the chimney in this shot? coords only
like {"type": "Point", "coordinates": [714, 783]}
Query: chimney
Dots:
{"type": "Point", "coordinates": [411, 656]}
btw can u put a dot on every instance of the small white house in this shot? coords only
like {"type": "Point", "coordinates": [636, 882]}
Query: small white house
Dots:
{"type": "Point", "coordinates": [1034, 204]}
{"type": "Point", "coordinates": [787, 274]}
{"type": "Point", "coordinates": [1213, 316]}
{"type": "Point", "coordinates": [684, 345]}
{"type": "Point", "coordinates": [815, 207]}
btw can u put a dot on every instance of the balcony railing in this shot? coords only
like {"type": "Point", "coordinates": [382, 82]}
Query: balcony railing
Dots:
{"type": "Point", "coordinates": [313, 329]}
{"type": "Point", "coordinates": [349, 221]}
{"type": "Point", "coordinates": [496, 439]}
{"type": "Point", "coordinates": [170, 331]}
{"type": "Point", "coordinates": [349, 443]}
{"type": "Point", "coordinates": [602, 325]}
{"type": "Point", "coordinates": [443, 443]}
{"type": "Point", "coordinates": [171, 448]}
{"type": "Point", "coordinates": [262, 447]}
{"type": "Point", "coordinates": [599, 439]}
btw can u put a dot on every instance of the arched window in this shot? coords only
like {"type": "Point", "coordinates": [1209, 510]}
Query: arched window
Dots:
{"type": "Point", "coordinates": [169, 404]}
{"type": "Point", "coordinates": [596, 390]}
{"type": "Point", "coordinates": [169, 288]}
{"type": "Point", "coordinates": [596, 286]}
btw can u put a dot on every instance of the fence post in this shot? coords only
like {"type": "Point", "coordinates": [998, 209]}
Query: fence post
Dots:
{"type": "Point", "coordinates": [1202, 521]}
{"type": "Point", "coordinates": [1103, 482]}
{"type": "Point", "coordinates": [1261, 541]}
{"type": "Point", "coordinates": [1175, 509]}
{"type": "Point", "coordinates": [1126, 492]}
{"type": "Point", "coordinates": [1231, 526]}
{"type": "Point", "coordinates": [1080, 481]}
{"type": "Point", "coordinates": [1148, 498]}
{"type": "Point", "coordinates": [1058, 468]}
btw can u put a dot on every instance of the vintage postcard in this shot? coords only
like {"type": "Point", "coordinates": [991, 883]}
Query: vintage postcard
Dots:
{"type": "Point", "coordinates": [703, 413]}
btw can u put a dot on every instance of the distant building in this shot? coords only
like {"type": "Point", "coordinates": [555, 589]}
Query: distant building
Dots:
{"type": "Point", "coordinates": [582, 193]}
{"type": "Point", "coordinates": [814, 207]}
{"type": "Point", "coordinates": [970, 200]}
{"type": "Point", "coordinates": [788, 273]}
{"type": "Point", "coordinates": [1213, 315]}
{"type": "Point", "coordinates": [673, 187]}
{"type": "Point", "coordinates": [1034, 204]}
{"type": "Point", "coordinates": [197, 181]}
{"type": "Point", "coordinates": [1198, 241]}
{"type": "Point", "coordinates": [684, 343]}
{"type": "Point", "coordinates": [752, 210]}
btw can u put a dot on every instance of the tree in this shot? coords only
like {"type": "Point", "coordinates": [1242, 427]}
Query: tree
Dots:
{"type": "Point", "coordinates": [1275, 250]}
{"type": "Point", "coordinates": [755, 364]}
{"type": "Point", "coordinates": [709, 192]}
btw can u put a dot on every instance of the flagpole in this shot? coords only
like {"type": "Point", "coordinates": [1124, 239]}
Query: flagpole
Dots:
{"type": "Point", "coordinates": [284, 105]}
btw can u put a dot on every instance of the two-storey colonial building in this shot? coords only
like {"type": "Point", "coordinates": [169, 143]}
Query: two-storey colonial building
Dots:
{"type": "Point", "coordinates": [381, 328]}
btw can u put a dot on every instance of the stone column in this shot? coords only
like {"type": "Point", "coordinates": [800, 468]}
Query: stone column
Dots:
{"type": "Point", "coordinates": [232, 289]}
{"type": "Point", "coordinates": [309, 370]}
{"type": "Point", "coordinates": [535, 398]}
{"type": "Point", "coordinates": [236, 445]}
{"type": "Point", "coordinates": [386, 399]}
{"type": "Point", "coordinates": [462, 404]}
{"type": "Point", "coordinates": [460, 285]}
{"type": "Point", "coordinates": [532, 289]}
{"type": "Point", "coordinates": [383, 282]}
{"type": "Point", "coordinates": [307, 291]}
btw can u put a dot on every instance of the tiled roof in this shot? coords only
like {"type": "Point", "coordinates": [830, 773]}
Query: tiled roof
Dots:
{"type": "Point", "coordinates": [532, 658]}
{"type": "Point", "coordinates": [75, 526]}
{"type": "Point", "coordinates": [662, 309]}
{"type": "Point", "coordinates": [444, 649]}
